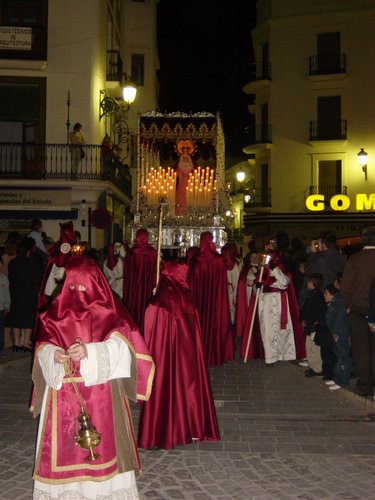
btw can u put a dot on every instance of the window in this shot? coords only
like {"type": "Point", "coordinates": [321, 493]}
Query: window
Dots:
{"type": "Point", "coordinates": [264, 193]}
{"type": "Point", "coordinates": [265, 134]}
{"type": "Point", "coordinates": [265, 62]}
{"type": "Point", "coordinates": [328, 45]}
{"type": "Point", "coordinates": [138, 69]}
{"type": "Point", "coordinates": [329, 118]}
{"type": "Point", "coordinates": [330, 177]}
{"type": "Point", "coordinates": [328, 174]}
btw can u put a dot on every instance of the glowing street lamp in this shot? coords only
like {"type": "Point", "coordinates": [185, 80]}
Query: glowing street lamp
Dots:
{"type": "Point", "coordinates": [362, 160]}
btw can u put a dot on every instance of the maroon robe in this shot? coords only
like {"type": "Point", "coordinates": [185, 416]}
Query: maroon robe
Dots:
{"type": "Point", "coordinates": [208, 281]}
{"type": "Point", "coordinates": [139, 277]}
{"type": "Point", "coordinates": [181, 406]}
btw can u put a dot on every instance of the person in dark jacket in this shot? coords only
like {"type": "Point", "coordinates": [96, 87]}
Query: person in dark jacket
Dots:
{"type": "Point", "coordinates": [24, 281]}
{"type": "Point", "coordinates": [356, 280]}
{"type": "Point", "coordinates": [325, 258]}
{"type": "Point", "coordinates": [313, 319]}
{"type": "Point", "coordinates": [338, 325]}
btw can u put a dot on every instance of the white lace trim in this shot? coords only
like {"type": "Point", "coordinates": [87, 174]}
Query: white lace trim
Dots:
{"type": "Point", "coordinates": [103, 362]}
{"type": "Point", "coordinates": [121, 494]}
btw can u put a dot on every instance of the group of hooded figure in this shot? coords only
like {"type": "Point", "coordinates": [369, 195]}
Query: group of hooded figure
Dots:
{"type": "Point", "coordinates": [98, 345]}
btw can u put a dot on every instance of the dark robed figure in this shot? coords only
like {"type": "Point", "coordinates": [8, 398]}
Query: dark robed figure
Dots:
{"type": "Point", "coordinates": [181, 407]}
{"type": "Point", "coordinates": [139, 277]}
{"type": "Point", "coordinates": [207, 278]}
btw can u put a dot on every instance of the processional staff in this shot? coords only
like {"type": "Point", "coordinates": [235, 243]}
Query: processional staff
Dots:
{"type": "Point", "coordinates": [163, 203]}
{"type": "Point", "coordinates": [264, 261]}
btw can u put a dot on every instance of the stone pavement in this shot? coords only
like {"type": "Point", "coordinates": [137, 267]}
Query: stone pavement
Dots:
{"type": "Point", "coordinates": [284, 436]}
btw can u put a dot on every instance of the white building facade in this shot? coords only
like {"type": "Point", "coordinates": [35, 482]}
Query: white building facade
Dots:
{"type": "Point", "coordinates": [313, 110]}
{"type": "Point", "coordinates": [58, 61]}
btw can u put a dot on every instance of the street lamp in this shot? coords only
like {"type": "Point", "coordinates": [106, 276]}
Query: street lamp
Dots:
{"type": "Point", "coordinates": [362, 160]}
{"type": "Point", "coordinates": [240, 176]}
{"type": "Point", "coordinates": [118, 107]}
{"type": "Point", "coordinates": [129, 90]}
{"type": "Point", "coordinates": [110, 105]}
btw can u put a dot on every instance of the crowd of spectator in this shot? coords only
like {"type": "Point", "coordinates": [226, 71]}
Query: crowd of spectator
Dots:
{"type": "Point", "coordinates": [332, 290]}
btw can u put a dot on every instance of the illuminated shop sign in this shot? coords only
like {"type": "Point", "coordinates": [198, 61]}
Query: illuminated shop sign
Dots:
{"type": "Point", "coordinates": [340, 202]}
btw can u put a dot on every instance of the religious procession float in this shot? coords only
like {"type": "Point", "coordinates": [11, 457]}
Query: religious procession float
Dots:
{"type": "Point", "coordinates": [180, 179]}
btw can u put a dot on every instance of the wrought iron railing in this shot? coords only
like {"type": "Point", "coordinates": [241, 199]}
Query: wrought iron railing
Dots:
{"type": "Point", "coordinates": [328, 130]}
{"type": "Point", "coordinates": [260, 71]}
{"type": "Point", "coordinates": [325, 64]}
{"type": "Point", "coordinates": [62, 161]}
{"type": "Point", "coordinates": [259, 134]}
{"type": "Point", "coordinates": [258, 197]}
{"type": "Point", "coordinates": [327, 190]}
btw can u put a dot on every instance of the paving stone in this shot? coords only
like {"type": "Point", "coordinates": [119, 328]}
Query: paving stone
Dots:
{"type": "Point", "coordinates": [283, 437]}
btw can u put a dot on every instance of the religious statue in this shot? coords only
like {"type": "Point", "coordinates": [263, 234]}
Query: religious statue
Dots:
{"type": "Point", "coordinates": [185, 165]}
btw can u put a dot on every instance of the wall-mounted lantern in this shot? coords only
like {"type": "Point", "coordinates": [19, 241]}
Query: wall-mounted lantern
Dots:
{"type": "Point", "coordinates": [362, 160]}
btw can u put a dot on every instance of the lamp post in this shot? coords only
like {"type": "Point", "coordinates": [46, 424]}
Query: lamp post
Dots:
{"type": "Point", "coordinates": [362, 160]}
{"type": "Point", "coordinates": [119, 107]}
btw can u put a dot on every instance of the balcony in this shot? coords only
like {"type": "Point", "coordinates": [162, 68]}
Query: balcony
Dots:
{"type": "Point", "coordinates": [325, 64]}
{"type": "Point", "coordinates": [327, 190]}
{"type": "Point", "coordinates": [259, 134]}
{"type": "Point", "coordinates": [259, 197]}
{"type": "Point", "coordinates": [260, 77]}
{"type": "Point", "coordinates": [57, 162]}
{"type": "Point", "coordinates": [328, 130]}
{"type": "Point", "coordinates": [260, 71]}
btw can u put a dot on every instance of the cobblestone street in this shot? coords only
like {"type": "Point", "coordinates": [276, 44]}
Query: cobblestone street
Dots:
{"type": "Point", "coordinates": [284, 436]}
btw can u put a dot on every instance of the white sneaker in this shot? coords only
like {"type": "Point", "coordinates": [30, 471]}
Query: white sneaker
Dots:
{"type": "Point", "coordinates": [304, 363]}
{"type": "Point", "coordinates": [334, 387]}
{"type": "Point", "coordinates": [329, 382]}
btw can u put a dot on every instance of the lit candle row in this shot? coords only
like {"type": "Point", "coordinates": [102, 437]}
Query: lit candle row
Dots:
{"type": "Point", "coordinates": [160, 183]}
{"type": "Point", "coordinates": [201, 185]}
{"type": "Point", "coordinates": [150, 158]}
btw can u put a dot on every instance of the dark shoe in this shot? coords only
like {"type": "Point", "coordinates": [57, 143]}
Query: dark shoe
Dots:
{"type": "Point", "coordinates": [359, 392]}
{"type": "Point", "coordinates": [16, 348]}
{"type": "Point", "coordinates": [26, 349]}
{"type": "Point", "coordinates": [270, 365]}
{"type": "Point", "coordinates": [311, 373]}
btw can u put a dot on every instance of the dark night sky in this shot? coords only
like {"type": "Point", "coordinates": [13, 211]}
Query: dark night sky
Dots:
{"type": "Point", "coordinates": [205, 55]}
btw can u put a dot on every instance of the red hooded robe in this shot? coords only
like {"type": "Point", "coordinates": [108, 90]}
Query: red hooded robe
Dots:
{"type": "Point", "coordinates": [139, 277]}
{"type": "Point", "coordinates": [181, 406]}
{"type": "Point", "coordinates": [207, 278]}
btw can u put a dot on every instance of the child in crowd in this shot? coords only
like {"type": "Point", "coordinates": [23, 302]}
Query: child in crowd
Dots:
{"type": "Point", "coordinates": [338, 326]}
{"type": "Point", "coordinates": [4, 304]}
{"type": "Point", "coordinates": [312, 316]}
